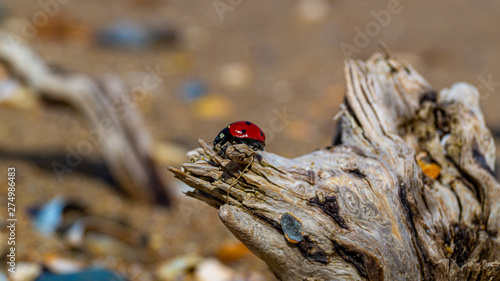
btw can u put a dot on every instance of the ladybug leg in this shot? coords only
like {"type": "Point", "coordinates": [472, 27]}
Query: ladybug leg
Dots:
{"type": "Point", "coordinates": [220, 147]}
{"type": "Point", "coordinates": [259, 145]}
{"type": "Point", "coordinates": [255, 144]}
{"type": "Point", "coordinates": [225, 143]}
{"type": "Point", "coordinates": [222, 150]}
{"type": "Point", "coordinates": [239, 176]}
{"type": "Point", "coordinates": [210, 152]}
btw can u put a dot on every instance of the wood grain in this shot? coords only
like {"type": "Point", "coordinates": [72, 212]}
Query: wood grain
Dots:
{"type": "Point", "coordinates": [368, 212]}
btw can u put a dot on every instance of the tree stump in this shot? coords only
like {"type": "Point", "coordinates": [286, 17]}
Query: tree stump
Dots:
{"type": "Point", "coordinates": [407, 192]}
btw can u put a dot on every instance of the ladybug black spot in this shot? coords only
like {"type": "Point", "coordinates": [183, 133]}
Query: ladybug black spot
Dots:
{"type": "Point", "coordinates": [248, 123]}
{"type": "Point", "coordinates": [243, 131]}
{"type": "Point", "coordinates": [261, 133]}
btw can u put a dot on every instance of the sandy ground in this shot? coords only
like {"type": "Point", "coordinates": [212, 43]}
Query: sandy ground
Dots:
{"type": "Point", "coordinates": [276, 63]}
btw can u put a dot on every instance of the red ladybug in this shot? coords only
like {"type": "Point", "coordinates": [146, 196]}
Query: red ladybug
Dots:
{"type": "Point", "coordinates": [242, 132]}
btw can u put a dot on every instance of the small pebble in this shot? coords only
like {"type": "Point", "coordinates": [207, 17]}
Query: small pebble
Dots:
{"type": "Point", "coordinates": [232, 251]}
{"type": "Point", "coordinates": [103, 236]}
{"type": "Point", "coordinates": [98, 244]}
{"type": "Point", "coordinates": [61, 28]}
{"type": "Point", "coordinates": [14, 95]}
{"type": "Point", "coordinates": [193, 37]}
{"type": "Point", "coordinates": [178, 268]}
{"type": "Point", "coordinates": [61, 265]}
{"type": "Point", "coordinates": [312, 11]}
{"type": "Point", "coordinates": [26, 271]}
{"type": "Point", "coordinates": [8, 88]}
{"type": "Point", "coordinates": [179, 62]}
{"type": "Point", "coordinates": [75, 234]}
{"type": "Point", "coordinates": [235, 75]}
{"type": "Point", "coordinates": [253, 276]}
{"type": "Point", "coordinates": [213, 270]}
{"type": "Point", "coordinates": [213, 107]}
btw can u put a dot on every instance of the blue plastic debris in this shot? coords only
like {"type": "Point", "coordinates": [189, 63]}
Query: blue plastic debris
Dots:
{"type": "Point", "coordinates": [49, 217]}
{"type": "Point", "coordinates": [193, 89]}
{"type": "Point", "coordinates": [91, 274]}
{"type": "Point", "coordinates": [124, 34]}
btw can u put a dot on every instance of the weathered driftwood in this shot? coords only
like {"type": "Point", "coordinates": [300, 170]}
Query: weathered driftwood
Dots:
{"type": "Point", "coordinates": [368, 211]}
{"type": "Point", "coordinates": [107, 105]}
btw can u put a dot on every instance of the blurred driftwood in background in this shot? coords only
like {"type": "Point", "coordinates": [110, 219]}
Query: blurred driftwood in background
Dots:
{"type": "Point", "coordinates": [406, 193]}
{"type": "Point", "coordinates": [107, 106]}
